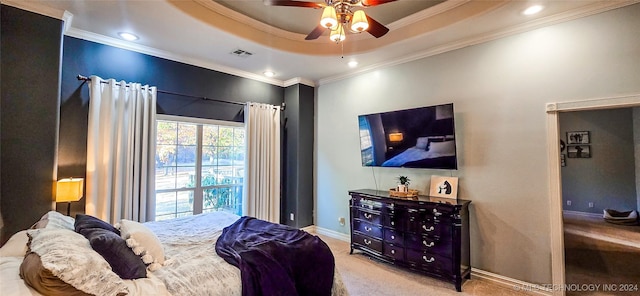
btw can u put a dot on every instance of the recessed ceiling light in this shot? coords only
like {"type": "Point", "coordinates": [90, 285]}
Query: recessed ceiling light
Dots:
{"type": "Point", "coordinates": [533, 10]}
{"type": "Point", "coordinates": [128, 36]}
{"type": "Point", "coordinates": [269, 73]}
{"type": "Point", "coordinates": [353, 64]}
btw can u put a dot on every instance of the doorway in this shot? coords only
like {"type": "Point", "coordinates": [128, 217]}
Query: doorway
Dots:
{"type": "Point", "coordinates": [555, 181]}
{"type": "Point", "coordinates": [600, 175]}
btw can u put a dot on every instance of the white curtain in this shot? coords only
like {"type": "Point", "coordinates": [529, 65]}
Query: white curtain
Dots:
{"type": "Point", "coordinates": [121, 151]}
{"type": "Point", "coordinates": [261, 198]}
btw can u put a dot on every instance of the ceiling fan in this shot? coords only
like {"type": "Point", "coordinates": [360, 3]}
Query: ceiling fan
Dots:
{"type": "Point", "coordinates": [338, 15]}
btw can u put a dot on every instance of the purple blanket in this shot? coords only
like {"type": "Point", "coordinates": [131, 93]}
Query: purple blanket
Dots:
{"type": "Point", "coordinates": [276, 259]}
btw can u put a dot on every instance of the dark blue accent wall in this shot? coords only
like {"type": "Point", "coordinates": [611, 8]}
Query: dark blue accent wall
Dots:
{"type": "Point", "coordinates": [30, 51]}
{"type": "Point", "coordinates": [297, 169]}
{"type": "Point", "coordinates": [90, 58]}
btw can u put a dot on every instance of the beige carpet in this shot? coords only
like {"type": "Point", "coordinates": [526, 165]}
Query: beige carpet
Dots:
{"type": "Point", "coordinates": [597, 252]}
{"type": "Point", "coordinates": [364, 277]}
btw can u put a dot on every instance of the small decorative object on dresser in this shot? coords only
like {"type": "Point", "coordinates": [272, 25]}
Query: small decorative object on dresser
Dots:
{"type": "Point", "coordinates": [409, 193]}
{"type": "Point", "coordinates": [404, 184]}
{"type": "Point", "coordinates": [428, 235]}
{"type": "Point", "coordinates": [444, 187]}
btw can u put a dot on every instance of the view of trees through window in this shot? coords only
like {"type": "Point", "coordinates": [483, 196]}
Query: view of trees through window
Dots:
{"type": "Point", "coordinates": [199, 168]}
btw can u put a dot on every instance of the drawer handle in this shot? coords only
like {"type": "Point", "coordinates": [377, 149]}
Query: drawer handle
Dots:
{"type": "Point", "coordinates": [368, 216]}
{"type": "Point", "coordinates": [393, 223]}
{"type": "Point", "coordinates": [436, 213]}
{"type": "Point", "coordinates": [428, 260]}
{"type": "Point", "coordinates": [393, 251]}
{"type": "Point", "coordinates": [393, 237]}
{"type": "Point", "coordinates": [368, 228]}
{"type": "Point", "coordinates": [366, 241]}
{"type": "Point", "coordinates": [428, 229]}
{"type": "Point", "coordinates": [429, 244]}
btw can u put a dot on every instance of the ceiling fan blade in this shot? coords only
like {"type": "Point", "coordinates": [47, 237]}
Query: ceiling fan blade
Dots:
{"type": "Point", "coordinates": [369, 3]}
{"type": "Point", "coordinates": [375, 28]}
{"type": "Point", "coordinates": [293, 3]}
{"type": "Point", "coordinates": [317, 32]}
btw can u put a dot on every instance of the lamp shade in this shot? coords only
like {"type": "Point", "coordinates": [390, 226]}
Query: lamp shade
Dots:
{"type": "Point", "coordinates": [329, 19]}
{"type": "Point", "coordinates": [337, 35]}
{"type": "Point", "coordinates": [395, 137]}
{"type": "Point", "coordinates": [359, 22]}
{"type": "Point", "coordinates": [69, 189]}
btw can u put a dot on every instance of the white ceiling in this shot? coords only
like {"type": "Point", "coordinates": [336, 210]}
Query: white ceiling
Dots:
{"type": "Point", "coordinates": [204, 32]}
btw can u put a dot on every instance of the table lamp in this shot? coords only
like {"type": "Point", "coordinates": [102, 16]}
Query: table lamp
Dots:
{"type": "Point", "coordinates": [68, 190]}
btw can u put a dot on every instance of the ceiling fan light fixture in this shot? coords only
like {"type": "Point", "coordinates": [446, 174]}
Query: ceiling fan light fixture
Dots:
{"type": "Point", "coordinates": [337, 35]}
{"type": "Point", "coordinates": [359, 21]}
{"type": "Point", "coordinates": [329, 18]}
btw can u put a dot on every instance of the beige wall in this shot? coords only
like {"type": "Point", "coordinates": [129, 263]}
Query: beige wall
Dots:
{"type": "Point", "coordinates": [499, 90]}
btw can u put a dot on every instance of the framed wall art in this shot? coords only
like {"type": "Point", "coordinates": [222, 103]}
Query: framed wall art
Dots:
{"type": "Point", "coordinates": [579, 151]}
{"type": "Point", "coordinates": [581, 137]}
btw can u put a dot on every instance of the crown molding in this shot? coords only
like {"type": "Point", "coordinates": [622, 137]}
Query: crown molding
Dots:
{"type": "Point", "coordinates": [89, 36]}
{"type": "Point", "coordinates": [36, 8]}
{"type": "Point", "coordinates": [298, 80]}
{"type": "Point", "coordinates": [426, 13]}
{"type": "Point", "coordinates": [256, 24]}
{"type": "Point", "coordinates": [584, 11]}
{"type": "Point", "coordinates": [67, 17]}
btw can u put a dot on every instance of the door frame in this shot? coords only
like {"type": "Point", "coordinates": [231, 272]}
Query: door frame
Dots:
{"type": "Point", "coordinates": [555, 179]}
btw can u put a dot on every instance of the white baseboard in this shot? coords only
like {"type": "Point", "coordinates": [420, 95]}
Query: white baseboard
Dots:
{"type": "Point", "coordinates": [509, 283]}
{"type": "Point", "coordinates": [583, 214]}
{"type": "Point", "coordinates": [328, 232]}
{"type": "Point", "coordinates": [479, 274]}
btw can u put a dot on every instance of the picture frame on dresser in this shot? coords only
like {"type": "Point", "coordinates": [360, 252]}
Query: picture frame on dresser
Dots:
{"type": "Point", "coordinates": [427, 235]}
{"type": "Point", "coordinates": [446, 187]}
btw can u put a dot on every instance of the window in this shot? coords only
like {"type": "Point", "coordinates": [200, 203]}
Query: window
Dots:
{"type": "Point", "coordinates": [199, 166]}
{"type": "Point", "coordinates": [366, 148]}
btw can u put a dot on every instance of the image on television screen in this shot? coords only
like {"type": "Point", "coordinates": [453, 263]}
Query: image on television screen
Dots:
{"type": "Point", "coordinates": [413, 138]}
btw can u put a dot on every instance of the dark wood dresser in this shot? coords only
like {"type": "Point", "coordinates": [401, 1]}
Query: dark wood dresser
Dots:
{"type": "Point", "coordinates": [425, 234]}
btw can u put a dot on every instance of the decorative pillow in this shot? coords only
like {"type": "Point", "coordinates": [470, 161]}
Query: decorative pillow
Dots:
{"type": "Point", "coordinates": [43, 280]}
{"type": "Point", "coordinates": [143, 242]}
{"type": "Point", "coordinates": [87, 221]}
{"type": "Point", "coordinates": [69, 257]}
{"type": "Point", "coordinates": [16, 246]}
{"type": "Point", "coordinates": [114, 249]}
{"type": "Point", "coordinates": [53, 219]}
{"type": "Point", "coordinates": [422, 142]}
{"type": "Point", "coordinates": [446, 147]}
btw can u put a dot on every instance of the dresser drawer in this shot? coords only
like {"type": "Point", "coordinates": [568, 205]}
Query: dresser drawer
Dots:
{"type": "Point", "coordinates": [393, 221]}
{"type": "Point", "coordinates": [429, 262]}
{"type": "Point", "coordinates": [393, 236]}
{"type": "Point", "coordinates": [431, 228]}
{"type": "Point", "coordinates": [442, 247]}
{"type": "Point", "coordinates": [367, 242]}
{"type": "Point", "coordinates": [362, 202]}
{"type": "Point", "coordinates": [367, 228]}
{"type": "Point", "coordinates": [432, 213]}
{"type": "Point", "coordinates": [371, 217]}
{"type": "Point", "coordinates": [394, 252]}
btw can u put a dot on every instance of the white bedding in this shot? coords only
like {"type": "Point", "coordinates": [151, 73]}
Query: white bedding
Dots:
{"type": "Point", "coordinates": [413, 154]}
{"type": "Point", "coordinates": [192, 266]}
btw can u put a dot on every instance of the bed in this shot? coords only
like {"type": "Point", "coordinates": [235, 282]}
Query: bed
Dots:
{"type": "Point", "coordinates": [190, 265]}
{"type": "Point", "coordinates": [429, 152]}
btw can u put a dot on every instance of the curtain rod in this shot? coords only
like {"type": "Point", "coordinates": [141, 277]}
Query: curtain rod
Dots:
{"type": "Point", "coordinates": [85, 78]}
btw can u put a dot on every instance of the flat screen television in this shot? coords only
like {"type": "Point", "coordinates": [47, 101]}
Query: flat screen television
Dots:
{"type": "Point", "coordinates": [412, 138]}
